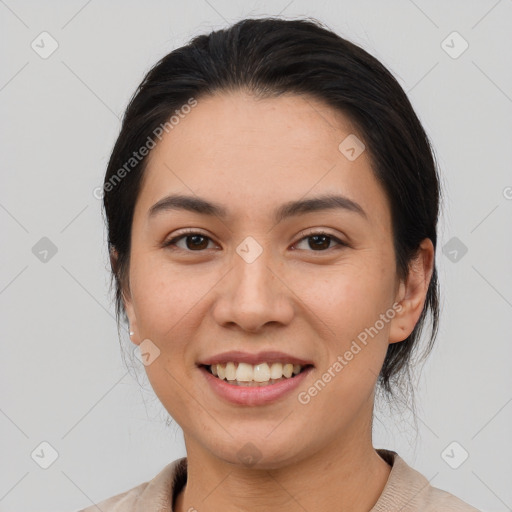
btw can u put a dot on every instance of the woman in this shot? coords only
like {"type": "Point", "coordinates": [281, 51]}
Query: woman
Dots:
{"type": "Point", "coordinates": [272, 202]}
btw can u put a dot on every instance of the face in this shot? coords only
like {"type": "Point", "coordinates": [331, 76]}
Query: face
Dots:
{"type": "Point", "coordinates": [243, 279]}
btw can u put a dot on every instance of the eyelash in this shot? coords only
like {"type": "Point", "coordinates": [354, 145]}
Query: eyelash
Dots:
{"type": "Point", "coordinates": [190, 232]}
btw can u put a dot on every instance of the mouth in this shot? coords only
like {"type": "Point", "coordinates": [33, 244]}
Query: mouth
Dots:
{"type": "Point", "coordinates": [258, 375]}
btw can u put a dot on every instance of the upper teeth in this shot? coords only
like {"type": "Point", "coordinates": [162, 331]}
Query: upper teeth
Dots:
{"type": "Point", "coordinates": [263, 372]}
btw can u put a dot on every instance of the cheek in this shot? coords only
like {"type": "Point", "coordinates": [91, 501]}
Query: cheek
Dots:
{"type": "Point", "coordinates": [161, 299]}
{"type": "Point", "coordinates": [163, 302]}
{"type": "Point", "coordinates": [351, 297]}
{"type": "Point", "coordinates": [350, 301]}
{"type": "Point", "coordinates": [155, 280]}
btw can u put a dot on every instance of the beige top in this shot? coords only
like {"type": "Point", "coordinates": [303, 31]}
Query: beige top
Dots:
{"type": "Point", "coordinates": [406, 490]}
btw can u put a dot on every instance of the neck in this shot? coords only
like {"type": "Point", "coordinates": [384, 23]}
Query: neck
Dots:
{"type": "Point", "coordinates": [331, 479]}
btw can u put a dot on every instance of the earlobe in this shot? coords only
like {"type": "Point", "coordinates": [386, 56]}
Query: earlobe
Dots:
{"type": "Point", "coordinates": [126, 298]}
{"type": "Point", "coordinates": [130, 313]}
{"type": "Point", "coordinates": [412, 293]}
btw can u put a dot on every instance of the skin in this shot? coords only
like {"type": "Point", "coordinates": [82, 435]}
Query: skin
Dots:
{"type": "Point", "coordinates": [252, 156]}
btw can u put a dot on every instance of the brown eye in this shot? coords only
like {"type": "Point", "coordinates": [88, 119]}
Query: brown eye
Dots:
{"type": "Point", "coordinates": [193, 242]}
{"type": "Point", "coordinates": [196, 241]}
{"type": "Point", "coordinates": [320, 242]}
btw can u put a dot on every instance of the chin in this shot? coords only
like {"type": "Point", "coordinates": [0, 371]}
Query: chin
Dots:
{"type": "Point", "coordinates": [258, 452]}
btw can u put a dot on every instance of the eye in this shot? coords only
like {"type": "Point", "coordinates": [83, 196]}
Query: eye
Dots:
{"type": "Point", "coordinates": [320, 241]}
{"type": "Point", "coordinates": [194, 241]}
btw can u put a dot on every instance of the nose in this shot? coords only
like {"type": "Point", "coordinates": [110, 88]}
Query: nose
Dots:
{"type": "Point", "coordinates": [253, 295]}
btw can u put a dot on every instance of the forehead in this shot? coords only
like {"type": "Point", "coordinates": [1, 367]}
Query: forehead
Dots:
{"type": "Point", "coordinates": [256, 154]}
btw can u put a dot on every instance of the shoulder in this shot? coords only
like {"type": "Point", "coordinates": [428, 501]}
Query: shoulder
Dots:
{"type": "Point", "coordinates": [123, 501]}
{"type": "Point", "coordinates": [440, 501]}
{"type": "Point", "coordinates": [156, 493]}
{"type": "Point", "coordinates": [408, 490]}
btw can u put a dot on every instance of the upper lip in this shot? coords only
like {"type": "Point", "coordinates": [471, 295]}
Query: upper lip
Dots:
{"type": "Point", "coordinates": [267, 356]}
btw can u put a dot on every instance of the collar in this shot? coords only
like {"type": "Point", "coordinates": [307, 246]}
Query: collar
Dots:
{"type": "Point", "coordinates": [406, 490]}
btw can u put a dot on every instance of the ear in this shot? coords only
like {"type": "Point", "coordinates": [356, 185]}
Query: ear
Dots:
{"type": "Point", "coordinates": [126, 297]}
{"type": "Point", "coordinates": [412, 293]}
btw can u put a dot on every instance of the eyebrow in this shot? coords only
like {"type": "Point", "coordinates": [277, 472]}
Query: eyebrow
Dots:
{"type": "Point", "coordinates": [290, 209]}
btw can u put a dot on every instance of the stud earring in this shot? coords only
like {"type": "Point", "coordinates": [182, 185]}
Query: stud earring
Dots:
{"type": "Point", "coordinates": [131, 333]}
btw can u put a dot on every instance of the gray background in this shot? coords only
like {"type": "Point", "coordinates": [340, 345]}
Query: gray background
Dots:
{"type": "Point", "coordinates": [62, 378]}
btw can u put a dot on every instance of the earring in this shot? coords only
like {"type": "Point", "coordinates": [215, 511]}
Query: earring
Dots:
{"type": "Point", "coordinates": [131, 333]}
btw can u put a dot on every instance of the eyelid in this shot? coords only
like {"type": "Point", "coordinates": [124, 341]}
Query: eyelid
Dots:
{"type": "Point", "coordinates": [183, 233]}
{"type": "Point", "coordinates": [302, 235]}
{"type": "Point", "coordinates": [319, 232]}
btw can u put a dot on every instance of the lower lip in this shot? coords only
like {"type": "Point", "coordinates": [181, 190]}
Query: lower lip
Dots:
{"type": "Point", "coordinates": [253, 395]}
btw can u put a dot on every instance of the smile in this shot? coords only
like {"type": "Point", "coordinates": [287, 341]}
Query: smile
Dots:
{"type": "Point", "coordinates": [263, 374]}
